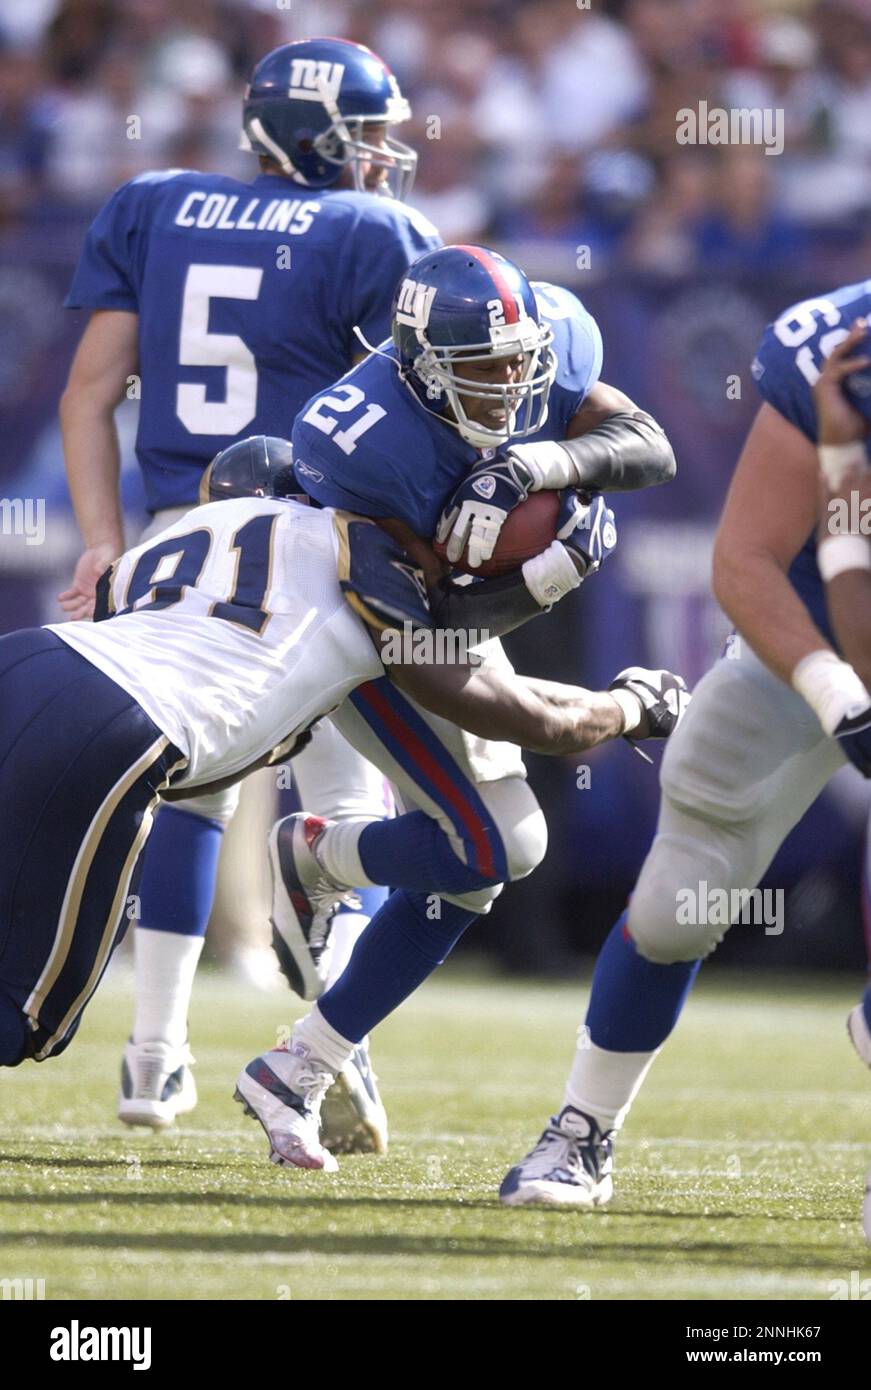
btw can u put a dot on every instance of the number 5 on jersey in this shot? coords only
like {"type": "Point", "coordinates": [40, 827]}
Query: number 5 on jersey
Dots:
{"type": "Point", "coordinates": [200, 348]}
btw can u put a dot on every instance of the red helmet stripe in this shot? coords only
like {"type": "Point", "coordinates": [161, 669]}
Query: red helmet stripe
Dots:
{"type": "Point", "coordinates": [503, 289]}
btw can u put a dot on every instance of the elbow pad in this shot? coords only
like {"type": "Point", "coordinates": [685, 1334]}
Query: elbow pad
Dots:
{"type": "Point", "coordinates": [626, 452]}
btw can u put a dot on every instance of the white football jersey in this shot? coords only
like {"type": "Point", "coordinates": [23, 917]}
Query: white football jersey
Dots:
{"type": "Point", "coordinates": [232, 632]}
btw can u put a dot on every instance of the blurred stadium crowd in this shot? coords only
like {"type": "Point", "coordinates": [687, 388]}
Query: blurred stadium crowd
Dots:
{"type": "Point", "coordinates": [538, 121]}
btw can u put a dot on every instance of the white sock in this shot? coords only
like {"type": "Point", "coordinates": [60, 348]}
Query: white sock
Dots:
{"type": "Point", "coordinates": [337, 852]}
{"type": "Point", "coordinates": [604, 1084]}
{"type": "Point", "coordinates": [166, 963]}
{"type": "Point", "coordinates": [347, 926]}
{"type": "Point", "coordinates": [322, 1041]}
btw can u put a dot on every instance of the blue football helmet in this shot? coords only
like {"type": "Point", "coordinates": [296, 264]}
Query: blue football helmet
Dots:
{"type": "Point", "coordinates": [307, 107]}
{"type": "Point", "coordinates": [259, 466]}
{"type": "Point", "coordinates": [463, 305]}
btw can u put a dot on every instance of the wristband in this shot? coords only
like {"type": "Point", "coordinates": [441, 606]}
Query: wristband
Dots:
{"type": "Point", "coordinates": [837, 554]}
{"type": "Point", "coordinates": [837, 460]}
{"type": "Point", "coordinates": [831, 688]}
{"type": "Point", "coordinates": [547, 463]}
{"type": "Point", "coordinates": [550, 575]}
{"type": "Point", "coordinates": [631, 707]}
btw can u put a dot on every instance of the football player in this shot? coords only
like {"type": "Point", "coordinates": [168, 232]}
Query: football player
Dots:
{"type": "Point", "coordinates": [232, 303]}
{"type": "Point", "coordinates": [845, 554]}
{"type": "Point", "coordinates": [222, 641]}
{"type": "Point", "coordinates": [480, 363]}
{"type": "Point", "coordinates": [769, 725]}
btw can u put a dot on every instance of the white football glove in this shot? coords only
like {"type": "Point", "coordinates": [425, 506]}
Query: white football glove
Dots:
{"type": "Point", "coordinates": [479, 508]}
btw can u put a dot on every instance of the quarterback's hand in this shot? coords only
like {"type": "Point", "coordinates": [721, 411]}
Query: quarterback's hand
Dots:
{"type": "Point", "coordinates": [479, 508]}
{"type": "Point", "coordinates": [586, 527]}
{"type": "Point", "coordinates": [78, 600]}
{"type": "Point", "coordinates": [662, 700]}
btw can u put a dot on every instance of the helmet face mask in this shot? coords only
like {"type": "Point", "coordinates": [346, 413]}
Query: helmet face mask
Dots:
{"type": "Point", "coordinates": [441, 371]}
{"type": "Point", "coordinates": [344, 144]}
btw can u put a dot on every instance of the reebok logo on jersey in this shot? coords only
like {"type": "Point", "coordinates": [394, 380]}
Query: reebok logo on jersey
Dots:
{"type": "Point", "coordinates": [414, 303]}
{"type": "Point", "coordinates": [75, 1343]}
{"type": "Point", "coordinates": [306, 471]}
{"type": "Point", "coordinates": [312, 81]}
{"type": "Point", "coordinates": [485, 486]}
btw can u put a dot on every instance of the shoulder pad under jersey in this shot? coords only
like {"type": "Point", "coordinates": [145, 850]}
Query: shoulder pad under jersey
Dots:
{"type": "Point", "coordinates": [378, 578]}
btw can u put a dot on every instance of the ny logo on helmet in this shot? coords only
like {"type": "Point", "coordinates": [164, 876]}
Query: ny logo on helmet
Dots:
{"type": "Point", "coordinates": [414, 303]}
{"type": "Point", "coordinates": [310, 80]}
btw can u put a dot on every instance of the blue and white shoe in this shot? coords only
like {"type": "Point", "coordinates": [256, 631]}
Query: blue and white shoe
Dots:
{"type": "Point", "coordinates": [570, 1166]}
{"type": "Point", "coordinates": [157, 1084]}
{"type": "Point", "coordinates": [304, 902]}
{"type": "Point", "coordinates": [283, 1090]}
{"type": "Point", "coordinates": [353, 1118]}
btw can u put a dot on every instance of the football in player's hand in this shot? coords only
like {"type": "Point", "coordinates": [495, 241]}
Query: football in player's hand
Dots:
{"type": "Point", "coordinates": [529, 529]}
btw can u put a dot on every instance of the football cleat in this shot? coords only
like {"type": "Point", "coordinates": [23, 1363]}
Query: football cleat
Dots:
{"type": "Point", "coordinates": [353, 1118]}
{"type": "Point", "coordinates": [304, 902]}
{"type": "Point", "coordinates": [283, 1090]}
{"type": "Point", "coordinates": [570, 1166]}
{"type": "Point", "coordinates": [157, 1084]}
{"type": "Point", "coordinates": [860, 1036]}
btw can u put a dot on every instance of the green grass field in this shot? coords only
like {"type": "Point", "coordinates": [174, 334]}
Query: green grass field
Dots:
{"type": "Point", "coordinates": [739, 1175]}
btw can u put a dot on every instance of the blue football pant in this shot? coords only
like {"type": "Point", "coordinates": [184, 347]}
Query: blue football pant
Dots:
{"type": "Point", "coordinates": [81, 765]}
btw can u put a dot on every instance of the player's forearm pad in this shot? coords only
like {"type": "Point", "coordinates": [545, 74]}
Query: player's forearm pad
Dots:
{"type": "Point", "coordinates": [626, 452]}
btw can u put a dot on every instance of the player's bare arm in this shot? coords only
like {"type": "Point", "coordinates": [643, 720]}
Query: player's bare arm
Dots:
{"type": "Point", "coordinates": [107, 355]}
{"type": "Point", "coordinates": [544, 716]}
{"type": "Point", "coordinates": [844, 552]}
{"type": "Point", "coordinates": [770, 510]}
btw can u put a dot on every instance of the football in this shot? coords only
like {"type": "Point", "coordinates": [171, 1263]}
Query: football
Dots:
{"type": "Point", "coordinates": [529, 530]}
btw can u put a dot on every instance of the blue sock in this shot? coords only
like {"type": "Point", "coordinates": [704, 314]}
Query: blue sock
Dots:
{"type": "Point", "coordinates": [412, 850]}
{"type": "Point", "coordinates": [179, 870]}
{"type": "Point", "coordinates": [13, 1032]}
{"type": "Point", "coordinates": [399, 949]}
{"type": "Point", "coordinates": [866, 1006]}
{"type": "Point", "coordinates": [635, 1004]}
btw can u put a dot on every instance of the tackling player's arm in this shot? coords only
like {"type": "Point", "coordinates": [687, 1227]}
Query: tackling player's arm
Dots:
{"type": "Point", "coordinates": [107, 355]}
{"type": "Point", "coordinates": [543, 716]}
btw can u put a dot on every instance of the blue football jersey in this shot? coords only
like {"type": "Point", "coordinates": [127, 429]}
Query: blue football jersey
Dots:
{"type": "Point", "coordinates": [368, 444]}
{"type": "Point", "coordinates": [785, 370]}
{"type": "Point", "coordinates": [247, 296]}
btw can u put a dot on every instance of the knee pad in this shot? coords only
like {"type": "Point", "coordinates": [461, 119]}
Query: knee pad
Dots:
{"type": "Point", "coordinates": [666, 914]}
{"type": "Point", "coordinates": [520, 822]}
{"type": "Point", "coordinates": [215, 806]}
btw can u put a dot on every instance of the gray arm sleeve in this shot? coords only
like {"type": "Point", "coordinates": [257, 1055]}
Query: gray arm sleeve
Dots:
{"type": "Point", "coordinates": [494, 606]}
{"type": "Point", "coordinates": [626, 452]}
